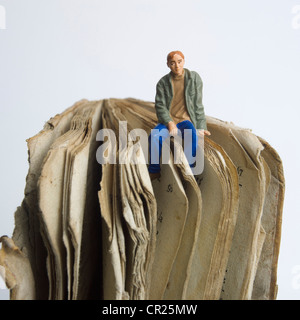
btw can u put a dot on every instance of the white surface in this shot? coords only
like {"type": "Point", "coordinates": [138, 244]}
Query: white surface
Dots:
{"type": "Point", "coordinates": [54, 53]}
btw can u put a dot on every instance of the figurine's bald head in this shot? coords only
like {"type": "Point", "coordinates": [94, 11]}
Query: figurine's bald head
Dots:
{"type": "Point", "coordinates": [175, 61]}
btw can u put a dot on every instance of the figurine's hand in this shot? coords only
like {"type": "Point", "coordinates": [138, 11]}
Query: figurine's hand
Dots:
{"type": "Point", "coordinates": [172, 128]}
{"type": "Point", "coordinates": [203, 132]}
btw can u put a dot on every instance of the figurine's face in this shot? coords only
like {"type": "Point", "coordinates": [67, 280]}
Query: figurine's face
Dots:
{"type": "Point", "coordinates": [176, 64]}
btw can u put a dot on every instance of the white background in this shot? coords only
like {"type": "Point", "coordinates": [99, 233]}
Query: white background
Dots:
{"type": "Point", "coordinates": [56, 52]}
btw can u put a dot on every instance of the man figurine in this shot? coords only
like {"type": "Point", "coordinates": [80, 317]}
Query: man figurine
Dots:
{"type": "Point", "coordinates": [178, 105]}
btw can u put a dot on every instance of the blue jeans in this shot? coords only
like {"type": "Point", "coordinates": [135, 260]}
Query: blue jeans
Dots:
{"type": "Point", "coordinates": [158, 136]}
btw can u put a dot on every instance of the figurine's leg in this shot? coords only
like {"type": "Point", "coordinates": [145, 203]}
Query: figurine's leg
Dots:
{"type": "Point", "coordinates": [190, 141]}
{"type": "Point", "coordinates": [156, 138]}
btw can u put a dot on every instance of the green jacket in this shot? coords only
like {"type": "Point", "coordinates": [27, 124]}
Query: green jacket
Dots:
{"type": "Point", "coordinates": [193, 99]}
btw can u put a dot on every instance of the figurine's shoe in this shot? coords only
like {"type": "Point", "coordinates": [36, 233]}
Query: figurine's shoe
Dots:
{"type": "Point", "coordinates": [154, 176]}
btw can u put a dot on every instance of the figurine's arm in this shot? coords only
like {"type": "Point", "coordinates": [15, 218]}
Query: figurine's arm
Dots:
{"type": "Point", "coordinates": [172, 128]}
{"type": "Point", "coordinates": [199, 109]}
{"type": "Point", "coordinates": [162, 111]}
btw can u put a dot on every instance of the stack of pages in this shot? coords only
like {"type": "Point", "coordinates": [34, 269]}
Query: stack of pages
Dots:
{"type": "Point", "coordinates": [93, 225]}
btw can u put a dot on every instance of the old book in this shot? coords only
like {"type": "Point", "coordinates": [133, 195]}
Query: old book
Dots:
{"type": "Point", "coordinates": [93, 225]}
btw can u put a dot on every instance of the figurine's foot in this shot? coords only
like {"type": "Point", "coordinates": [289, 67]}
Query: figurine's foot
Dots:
{"type": "Point", "coordinates": [154, 176]}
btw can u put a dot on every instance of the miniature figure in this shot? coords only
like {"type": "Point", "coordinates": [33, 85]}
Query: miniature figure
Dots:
{"type": "Point", "coordinates": [178, 105]}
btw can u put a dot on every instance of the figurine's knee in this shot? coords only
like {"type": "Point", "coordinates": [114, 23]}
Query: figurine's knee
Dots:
{"type": "Point", "coordinates": [159, 133]}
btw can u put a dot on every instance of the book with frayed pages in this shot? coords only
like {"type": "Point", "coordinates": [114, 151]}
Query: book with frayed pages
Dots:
{"type": "Point", "coordinates": [89, 230]}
